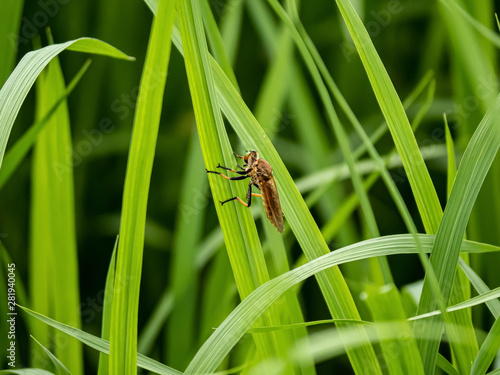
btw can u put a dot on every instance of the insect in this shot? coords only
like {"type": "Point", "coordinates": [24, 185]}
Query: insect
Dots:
{"type": "Point", "coordinates": [261, 176]}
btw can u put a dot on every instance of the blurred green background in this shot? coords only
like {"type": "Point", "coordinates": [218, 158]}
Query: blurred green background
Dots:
{"type": "Point", "coordinates": [412, 40]}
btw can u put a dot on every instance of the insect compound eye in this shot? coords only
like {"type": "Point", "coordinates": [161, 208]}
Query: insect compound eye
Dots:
{"type": "Point", "coordinates": [246, 157]}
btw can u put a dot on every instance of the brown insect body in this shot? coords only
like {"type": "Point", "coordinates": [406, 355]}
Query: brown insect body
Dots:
{"type": "Point", "coordinates": [261, 176]}
{"type": "Point", "coordinates": [260, 173]}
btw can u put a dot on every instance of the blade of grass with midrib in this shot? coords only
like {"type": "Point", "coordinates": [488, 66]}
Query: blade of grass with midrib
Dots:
{"type": "Point", "coordinates": [53, 217]}
{"type": "Point", "coordinates": [335, 290]}
{"type": "Point", "coordinates": [472, 171]}
{"type": "Point", "coordinates": [20, 149]}
{"type": "Point", "coordinates": [240, 320]}
{"type": "Point", "coordinates": [399, 126]}
{"type": "Point", "coordinates": [16, 88]}
{"type": "Point", "coordinates": [124, 312]}
{"type": "Point", "coordinates": [237, 225]}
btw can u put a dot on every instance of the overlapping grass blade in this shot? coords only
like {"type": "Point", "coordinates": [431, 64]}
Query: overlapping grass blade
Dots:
{"type": "Point", "coordinates": [27, 371]}
{"type": "Point", "coordinates": [296, 212]}
{"type": "Point", "coordinates": [474, 166]}
{"type": "Point", "coordinates": [59, 366]}
{"type": "Point", "coordinates": [107, 303]}
{"type": "Point", "coordinates": [16, 88]}
{"type": "Point", "coordinates": [19, 150]}
{"type": "Point", "coordinates": [102, 345]}
{"type": "Point", "coordinates": [124, 314]}
{"type": "Point", "coordinates": [54, 259]}
{"type": "Point", "coordinates": [399, 126]}
{"type": "Point", "coordinates": [401, 353]}
{"type": "Point", "coordinates": [240, 320]}
{"type": "Point", "coordinates": [239, 230]}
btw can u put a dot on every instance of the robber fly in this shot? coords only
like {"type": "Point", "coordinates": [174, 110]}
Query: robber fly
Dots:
{"type": "Point", "coordinates": [261, 176]}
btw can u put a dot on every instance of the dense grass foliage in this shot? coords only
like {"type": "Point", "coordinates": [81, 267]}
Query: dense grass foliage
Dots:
{"type": "Point", "coordinates": [380, 119]}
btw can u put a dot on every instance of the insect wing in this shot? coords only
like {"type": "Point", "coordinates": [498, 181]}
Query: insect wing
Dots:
{"type": "Point", "coordinates": [272, 204]}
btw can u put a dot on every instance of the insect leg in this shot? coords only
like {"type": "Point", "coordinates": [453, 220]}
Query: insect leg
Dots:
{"type": "Point", "coordinates": [232, 199]}
{"type": "Point", "coordinates": [231, 169]}
{"type": "Point", "coordinates": [238, 156]}
{"type": "Point", "coordinates": [249, 195]}
{"type": "Point", "coordinates": [228, 178]}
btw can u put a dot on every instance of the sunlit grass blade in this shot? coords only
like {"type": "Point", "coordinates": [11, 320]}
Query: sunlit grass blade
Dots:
{"type": "Point", "coordinates": [474, 166]}
{"type": "Point", "coordinates": [239, 230]}
{"type": "Point", "coordinates": [54, 236]}
{"type": "Point", "coordinates": [103, 368]}
{"type": "Point", "coordinates": [452, 163]}
{"type": "Point", "coordinates": [230, 26]}
{"type": "Point", "coordinates": [21, 148]}
{"type": "Point", "coordinates": [16, 88]}
{"type": "Point", "coordinates": [399, 126]}
{"type": "Point", "coordinates": [101, 345]}
{"type": "Point", "coordinates": [240, 320]}
{"type": "Point", "coordinates": [401, 354]}
{"type": "Point", "coordinates": [216, 43]}
{"type": "Point", "coordinates": [296, 212]}
{"type": "Point", "coordinates": [27, 371]}
{"type": "Point", "coordinates": [481, 287]}
{"type": "Point", "coordinates": [124, 313]}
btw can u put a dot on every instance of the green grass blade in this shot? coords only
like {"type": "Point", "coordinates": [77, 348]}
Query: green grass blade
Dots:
{"type": "Point", "coordinates": [298, 216]}
{"type": "Point", "coordinates": [59, 366]}
{"type": "Point", "coordinates": [488, 350]}
{"type": "Point", "coordinates": [124, 314]}
{"type": "Point", "coordinates": [481, 287]}
{"type": "Point", "coordinates": [452, 163]}
{"type": "Point", "coordinates": [16, 88]}
{"type": "Point", "coordinates": [239, 230]}
{"type": "Point", "coordinates": [106, 310]}
{"type": "Point", "coordinates": [240, 320]}
{"type": "Point", "coordinates": [446, 366]}
{"type": "Point", "coordinates": [21, 148]}
{"type": "Point", "coordinates": [27, 371]}
{"type": "Point", "coordinates": [101, 345]}
{"type": "Point", "coordinates": [470, 176]}
{"type": "Point", "coordinates": [54, 235]}
{"type": "Point", "coordinates": [399, 126]}
{"type": "Point", "coordinates": [230, 26]}
{"type": "Point", "coordinates": [401, 354]}
{"type": "Point", "coordinates": [216, 43]}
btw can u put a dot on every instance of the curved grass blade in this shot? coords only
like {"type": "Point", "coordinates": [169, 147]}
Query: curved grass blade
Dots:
{"type": "Point", "coordinates": [474, 166]}
{"type": "Point", "coordinates": [27, 371]}
{"type": "Point", "coordinates": [239, 230]}
{"type": "Point", "coordinates": [124, 313]}
{"type": "Point", "coordinates": [102, 345]}
{"type": "Point", "coordinates": [17, 86]}
{"type": "Point", "coordinates": [240, 320]}
{"type": "Point", "coordinates": [60, 368]}
{"type": "Point", "coordinates": [53, 237]}
{"type": "Point", "coordinates": [106, 310]}
{"type": "Point", "coordinates": [21, 148]}
{"type": "Point", "coordinates": [399, 126]}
